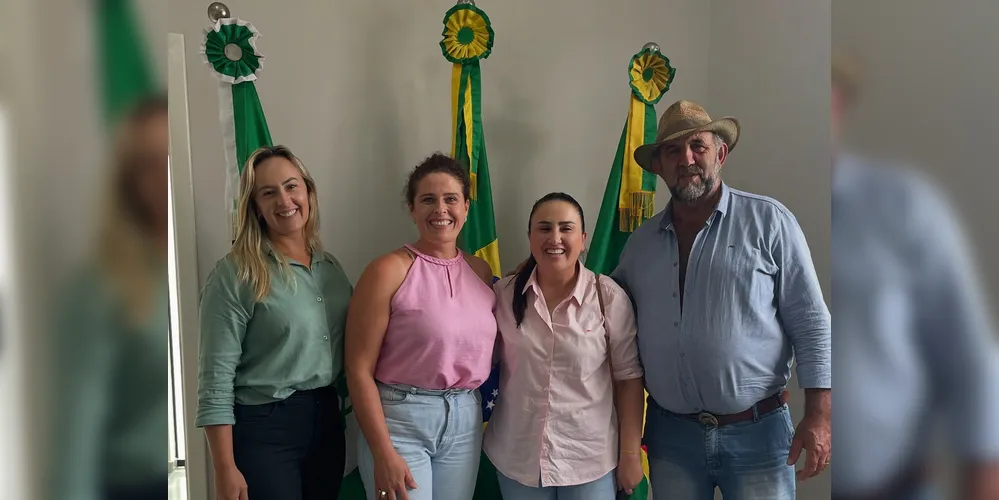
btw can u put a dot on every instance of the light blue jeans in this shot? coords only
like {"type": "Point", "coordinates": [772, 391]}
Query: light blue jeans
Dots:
{"type": "Point", "coordinates": [604, 488]}
{"type": "Point", "coordinates": [437, 433]}
{"type": "Point", "coordinates": [745, 460]}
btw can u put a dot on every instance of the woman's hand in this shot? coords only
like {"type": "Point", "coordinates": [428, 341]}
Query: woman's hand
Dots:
{"type": "Point", "coordinates": [629, 472]}
{"type": "Point", "coordinates": [392, 476]}
{"type": "Point", "coordinates": [230, 484]}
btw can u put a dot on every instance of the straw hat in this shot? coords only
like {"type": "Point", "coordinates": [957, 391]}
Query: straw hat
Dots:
{"type": "Point", "coordinates": [683, 118]}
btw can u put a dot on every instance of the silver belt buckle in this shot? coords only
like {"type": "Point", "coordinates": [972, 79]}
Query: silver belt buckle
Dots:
{"type": "Point", "coordinates": [708, 419]}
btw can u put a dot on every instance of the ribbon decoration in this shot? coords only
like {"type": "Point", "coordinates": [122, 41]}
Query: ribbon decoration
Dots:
{"type": "Point", "coordinates": [650, 76]}
{"type": "Point", "coordinates": [230, 51]}
{"type": "Point", "coordinates": [630, 193]}
{"type": "Point", "coordinates": [468, 38]}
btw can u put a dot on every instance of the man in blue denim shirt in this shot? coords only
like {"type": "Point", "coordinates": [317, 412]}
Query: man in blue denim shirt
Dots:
{"type": "Point", "coordinates": [915, 346]}
{"type": "Point", "coordinates": [725, 294]}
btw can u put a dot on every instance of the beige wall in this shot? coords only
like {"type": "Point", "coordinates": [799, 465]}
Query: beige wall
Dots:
{"type": "Point", "coordinates": [374, 101]}
{"type": "Point", "coordinates": [931, 100]}
{"type": "Point", "coordinates": [769, 66]}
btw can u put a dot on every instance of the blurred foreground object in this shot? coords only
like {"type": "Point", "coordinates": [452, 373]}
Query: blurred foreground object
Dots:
{"type": "Point", "coordinates": [123, 58]}
{"type": "Point", "coordinates": [914, 344]}
{"type": "Point", "coordinates": [111, 336]}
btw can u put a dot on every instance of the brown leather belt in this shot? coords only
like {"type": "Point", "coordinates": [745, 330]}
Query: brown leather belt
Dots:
{"type": "Point", "coordinates": [762, 407]}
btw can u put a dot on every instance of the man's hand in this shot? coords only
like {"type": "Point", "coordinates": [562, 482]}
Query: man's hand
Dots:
{"type": "Point", "coordinates": [814, 434]}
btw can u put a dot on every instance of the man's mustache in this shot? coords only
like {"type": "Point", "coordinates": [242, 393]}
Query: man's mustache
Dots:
{"type": "Point", "coordinates": [691, 170]}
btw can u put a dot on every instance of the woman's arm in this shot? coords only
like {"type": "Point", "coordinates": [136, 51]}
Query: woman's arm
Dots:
{"type": "Point", "coordinates": [226, 309]}
{"type": "Point", "coordinates": [367, 319]}
{"type": "Point", "coordinates": [627, 373]}
{"type": "Point", "coordinates": [224, 313]}
{"type": "Point", "coordinates": [220, 445]}
{"type": "Point", "coordinates": [628, 401]}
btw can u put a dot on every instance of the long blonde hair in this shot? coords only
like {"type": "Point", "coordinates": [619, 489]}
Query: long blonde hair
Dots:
{"type": "Point", "coordinates": [128, 254]}
{"type": "Point", "coordinates": [249, 250]}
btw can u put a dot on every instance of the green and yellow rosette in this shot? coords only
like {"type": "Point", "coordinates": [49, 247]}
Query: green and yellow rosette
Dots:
{"type": "Point", "coordinates": [630, 192]}
{"type": "Point", "coordinates": [467, 38]}
{"type": "Point", "coordinates": [468, 35]}
{"type": "Point", "coordinates": [650, 75]}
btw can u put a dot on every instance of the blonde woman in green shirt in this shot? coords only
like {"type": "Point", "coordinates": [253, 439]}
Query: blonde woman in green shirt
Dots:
{"type": "Point", "coordinates": [272, 325]}
{"type": "Point", "coordinates": [111, 348]}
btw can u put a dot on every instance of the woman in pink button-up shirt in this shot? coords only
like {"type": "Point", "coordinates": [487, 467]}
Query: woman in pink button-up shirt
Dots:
{"type": "Point", "coordinates": [570, 407]}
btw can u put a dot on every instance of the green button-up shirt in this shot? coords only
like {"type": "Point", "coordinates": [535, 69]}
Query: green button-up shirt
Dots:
{"type": "Point", "coordinates": [260, 352]}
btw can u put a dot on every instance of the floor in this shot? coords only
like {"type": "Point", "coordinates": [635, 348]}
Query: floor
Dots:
{"type": "Point", "coordinates": [177, 488]}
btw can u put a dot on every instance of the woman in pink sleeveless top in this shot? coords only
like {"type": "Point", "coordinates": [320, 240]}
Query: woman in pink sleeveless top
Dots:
{"type": "Point", "coordinates": [420, 337]}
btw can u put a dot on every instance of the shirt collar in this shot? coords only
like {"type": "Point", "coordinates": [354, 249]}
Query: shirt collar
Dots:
{"type": "Point", "coordinates": [724, 203]}
{"type": "Point", "coordinates": [317, 256]}
{"type": "Point", "coordinates": [585, 276]}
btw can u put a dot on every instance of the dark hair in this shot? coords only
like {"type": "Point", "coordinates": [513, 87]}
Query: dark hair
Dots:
{"type": "Point", "coordinates": [437, 163]}
{"type": "Point", "coordinates": [520, 295]}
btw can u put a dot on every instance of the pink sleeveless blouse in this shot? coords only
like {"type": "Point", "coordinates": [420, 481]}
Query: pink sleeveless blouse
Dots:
{"type": "Point", "coordinates": [441, 327]}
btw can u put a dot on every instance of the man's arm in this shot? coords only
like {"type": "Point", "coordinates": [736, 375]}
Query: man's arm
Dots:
{"type": "Point", "coordinates": [803, 312]}
{"type": "Point", "coordinates": [958, 342]}
{"type": "Point", "coordinates": [807, 323]}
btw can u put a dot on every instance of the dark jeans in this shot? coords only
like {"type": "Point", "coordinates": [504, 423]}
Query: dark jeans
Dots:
{"type": "Point", "coordinates": [292, 449]}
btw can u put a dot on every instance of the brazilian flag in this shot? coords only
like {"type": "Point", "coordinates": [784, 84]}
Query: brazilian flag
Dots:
{"type": "Point", "coordinates": [467, 39]}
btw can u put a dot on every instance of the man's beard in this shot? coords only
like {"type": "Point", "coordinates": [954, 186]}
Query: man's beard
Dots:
{"type": "Point", "coordinates": [694, 191]}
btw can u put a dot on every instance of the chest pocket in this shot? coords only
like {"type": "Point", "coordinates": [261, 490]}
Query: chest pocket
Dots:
{"type": "Point", "coordinates": [742, 274]}
{"type": "Point", "coordinates": [592, 344]}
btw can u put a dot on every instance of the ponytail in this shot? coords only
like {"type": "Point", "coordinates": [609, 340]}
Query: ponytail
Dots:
{"type": "Point", "coordinates": [519, 294]}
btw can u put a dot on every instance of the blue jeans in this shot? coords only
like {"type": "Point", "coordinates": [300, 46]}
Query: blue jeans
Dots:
{"type": "Point", "coordinates": [598, 489]}
{"type": "Point", "coordinates": [745, 460]}
{"type": "Point", "coordinates": [437, 433]}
